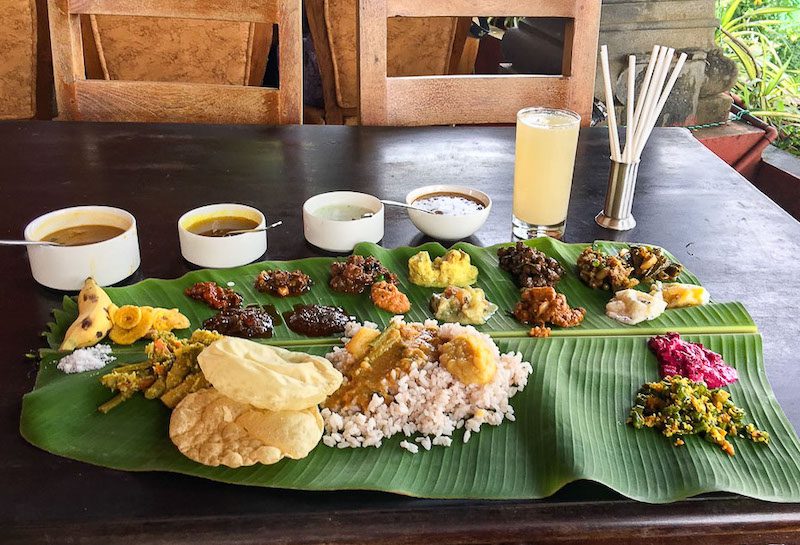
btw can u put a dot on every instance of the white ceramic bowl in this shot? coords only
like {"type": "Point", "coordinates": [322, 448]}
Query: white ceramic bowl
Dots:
{"type": "Point", "coordinates": [443, 227]}
{"type": "Point", "coordinates": [67, 267]}
{"type": "Point", "coordinates": [342, 235]}
{"type": "Point", "coordinates": [222, 252]}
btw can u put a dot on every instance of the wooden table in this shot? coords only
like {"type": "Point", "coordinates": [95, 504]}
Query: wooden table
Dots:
{"type": "Point", "coordinates": [738, 242]}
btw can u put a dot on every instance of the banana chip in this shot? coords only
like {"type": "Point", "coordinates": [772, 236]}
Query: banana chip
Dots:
{"type": "Point", "coordinates": [169, 319]}
{"type": "Point", "coordinates": [268, 377]}
{"type": "Point", "coordinates": [214, 430]}
{"type": "Point", "coordinates": [122, 335]}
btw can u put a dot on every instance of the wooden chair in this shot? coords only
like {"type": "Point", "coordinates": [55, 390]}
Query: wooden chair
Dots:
{"type": "Point", "coordinates": [420, 46]}
{"type": "Point", "coordinates": [147, 101]}
{"type": "Point", "coordinates": [444, 100]}
{"type": "Point", "coordinates": [18, 38]}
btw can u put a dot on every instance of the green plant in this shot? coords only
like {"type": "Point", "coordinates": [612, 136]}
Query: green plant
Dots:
{"type": "Point", "coordinates": [764, 41]}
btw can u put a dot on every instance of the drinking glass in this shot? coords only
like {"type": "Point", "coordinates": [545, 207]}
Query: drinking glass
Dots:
{"type": "Point", "coordinates": [545, 159]}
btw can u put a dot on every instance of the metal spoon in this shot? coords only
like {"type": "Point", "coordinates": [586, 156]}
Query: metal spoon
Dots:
{"type": "Point", "coordinates": [411, 206]}
{"type": "Point", "coordinates": [28, 243]}
{"type": "Point", "coordinates": [241, 231]}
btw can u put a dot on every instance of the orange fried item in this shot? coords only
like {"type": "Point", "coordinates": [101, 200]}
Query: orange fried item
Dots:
{"type": "Point", "coordinates": [386, 296]}
{"type": "Point", "coordinates": [539, 306]}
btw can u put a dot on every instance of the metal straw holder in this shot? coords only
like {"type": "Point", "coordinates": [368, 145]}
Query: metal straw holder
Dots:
{"type": "Point", "coordinates": [616, 213]}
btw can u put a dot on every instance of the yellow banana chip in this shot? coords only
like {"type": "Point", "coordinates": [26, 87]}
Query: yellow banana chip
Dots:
{"type": "Point", "coordinates": [268, 377]}
{"type": "Point", "coordinates": [121, 335]}
{"type": "Point", "coordinates": [169, 319]}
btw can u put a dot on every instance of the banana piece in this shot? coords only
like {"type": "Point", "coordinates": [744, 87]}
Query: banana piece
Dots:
{"type": "Point", "coordinates": [94, 318]}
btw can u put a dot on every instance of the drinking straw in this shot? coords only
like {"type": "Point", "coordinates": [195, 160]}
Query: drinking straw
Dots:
{"type": "Point", "coordinates": [629, 126]}
{"type": "Point", "coordinates": [653, 93]}
{"type": "Point", "coordinates": [661, 102]}
{"type": "Point", "coordinates": [612, 114]}
{"type": "Point", "coordinates": [648, 76]}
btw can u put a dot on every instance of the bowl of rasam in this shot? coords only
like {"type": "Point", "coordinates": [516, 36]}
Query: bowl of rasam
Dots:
{"type": "Point", "coordinates": [93, 241]}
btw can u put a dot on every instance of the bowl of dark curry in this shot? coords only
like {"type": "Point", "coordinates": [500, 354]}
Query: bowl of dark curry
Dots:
{"type": "Point", "coordinates": [448, 212]}
{"type": "Point", "coordinates": [89, 241]}
{"type": "Point", "coordinates": [209, 238]}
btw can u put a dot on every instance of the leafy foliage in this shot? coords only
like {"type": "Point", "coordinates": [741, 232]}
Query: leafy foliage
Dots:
{"type": "Point", "coordinates": [764, 39]}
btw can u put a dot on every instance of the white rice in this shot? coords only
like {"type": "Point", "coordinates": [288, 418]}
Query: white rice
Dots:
{"type": "Point", "coordinates": [429, 402]}
{"type": "Point", "coordinates": [90, 358]}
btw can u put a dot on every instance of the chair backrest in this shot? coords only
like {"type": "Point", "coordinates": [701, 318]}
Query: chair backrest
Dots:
{"type": "Point", "coordinates": [444, 100]}
{"type": "Point", "coordinates": [102, 100]}
{"type": "Point", "coordinates": [420, 46]}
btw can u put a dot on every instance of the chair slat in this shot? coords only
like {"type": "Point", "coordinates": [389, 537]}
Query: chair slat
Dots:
{"type": "Point", "coordinates": [484, 8]}
{"type": "Point", "coordinates": [249, 11]}
{"type": "Point", "coordinates": [481, 99]}
{"type": "Point", "coordinates": [152, 102]}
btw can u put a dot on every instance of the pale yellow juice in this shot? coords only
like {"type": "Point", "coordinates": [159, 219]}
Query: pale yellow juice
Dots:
{"type": "Point", "coordinates": [545, 159]}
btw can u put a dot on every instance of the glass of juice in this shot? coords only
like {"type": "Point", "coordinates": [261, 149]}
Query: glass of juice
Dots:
{"type": "Point", "coordinates": [545, 158]}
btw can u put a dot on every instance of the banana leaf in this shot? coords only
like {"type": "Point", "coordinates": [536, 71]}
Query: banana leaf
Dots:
{"type": "Point", "coordinates": [570, 425]}
{"type": "Point", "coordinates": [570, 419]}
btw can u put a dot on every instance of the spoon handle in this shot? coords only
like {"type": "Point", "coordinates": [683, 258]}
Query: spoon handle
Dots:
{"type": "Point", "coordinates": [404, 205]}
{"type": "Point", "coordinates": [27, 243]}
{"type": "Point", "coordinates": [267, 228]}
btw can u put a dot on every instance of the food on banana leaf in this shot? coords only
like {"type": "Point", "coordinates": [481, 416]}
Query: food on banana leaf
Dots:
{"type": "Point", "coordinates": [214, 430]}
{"type": "Point", "coordinates": [169, 373]}
{"type": "Point", "coordinates": [94, 318]}
{"type": "Point", "coordinates": [691, 360]}
{"type": "Point", "coordinates": [542, 306]}
{"type": "Point", "coordinates": [214, 295]}
{"type": "Point", "coordinates": [682, 295]}
{"type": "Point", "coordinates": [317, 320]}
{"type": "Point", "coordinates": [463, 305]}
{"type": "Point", "coordinates": [358, 273]}
{"type": "Point", "coordinates": [85, 359]}
{"type": "Point", "coordinates": [283, 283]}
{"type": "Point", "coordinates": [602, 271]}
{"type": "Point", "coordinates": [454, 269]}
{"type": "Point", "coordinates": [633, 306]}
{"type": "Point", "coordinates": [268, 377]}
{"type": "Point", "coordinates": [421, 380]}
{"type": "Point", "coordinates": [626, 269]}
{"type": "Point", "coordinates": [650, 264]}
{"type": "Point", "coordinates": [132, 323]}
{"type": "Point", "coordinates": [469, 359]}
{"type": "Point", "coordinates": [252, 321]}
{"type": "Point", "coordinates": [388, 297]}
{"type": "Point", "coordinates": [529, 267]}
{"type": "Point", "coordinates": [678, 407]}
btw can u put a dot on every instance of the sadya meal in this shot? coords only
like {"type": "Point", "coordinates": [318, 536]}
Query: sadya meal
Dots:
{"type": "Point", "coordinates": [236, 402]}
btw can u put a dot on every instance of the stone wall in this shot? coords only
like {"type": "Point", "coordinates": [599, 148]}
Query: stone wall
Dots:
{"type": "Point", "coordinates": [634, 26]}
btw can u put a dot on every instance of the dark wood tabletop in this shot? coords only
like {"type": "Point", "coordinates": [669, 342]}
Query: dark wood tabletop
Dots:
{"type": "Point", "coordinates": [741, 245]}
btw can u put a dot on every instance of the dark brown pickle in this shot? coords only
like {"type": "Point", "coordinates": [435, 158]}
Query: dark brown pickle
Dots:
{"type": "Point", "coordinates": [317, 320]}
{"type": "Point", "coordinates": [251, 322]}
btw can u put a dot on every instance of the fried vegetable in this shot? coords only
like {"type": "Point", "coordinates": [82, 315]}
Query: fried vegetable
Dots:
{"type": "Point", "coordinates": [650, 264]}
{"type": "Point", "coordinates": [603, 271]}
{"type": "Point", "coordinates": [678, 407]}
